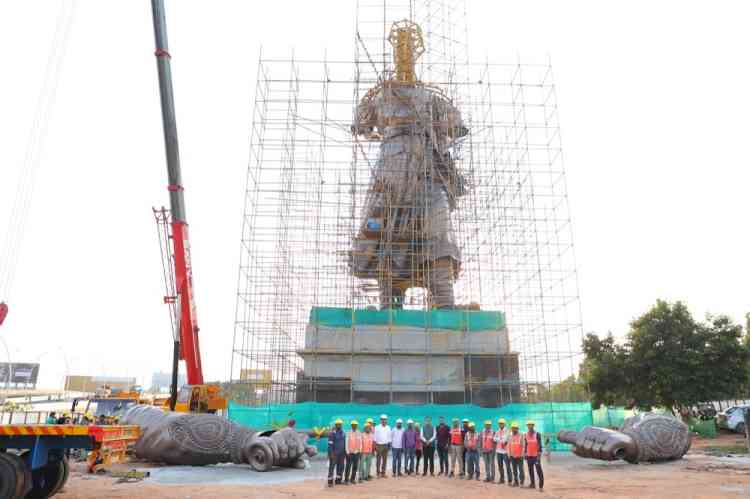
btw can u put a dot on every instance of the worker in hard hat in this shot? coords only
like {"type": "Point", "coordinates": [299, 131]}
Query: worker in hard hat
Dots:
{"type": "Point", "coordinates": [428, 437]}
{"type": "Point", "coordinates": [368, 450]}
{"type": "Point", "coordinates": [397, 446]}
{"type": "Point", "coordinates": [501, 450]}
{"type": "Point", "coordinates": [336, 452]}
{"type": "Point", "coordinates": [471, 446]}
{"type": "Point", "coordinates": [487, 450]}
{"type": "Point", "coordinates": [532, 445]}
{"type": "Point", "coordinates": [382, 436]}
{"type": "Point", "coordinates": [443, 445]}
{"type": "Point", "coordinates": [457, 449]}
{"type": "Point", "coordinates": [515, 451]}
{"type": "Point", "coordinates": [353, 450]}
{"type": "Point", "coordinates": [464, 431]}
{"type": "Point", "coordinates": [51, 418]}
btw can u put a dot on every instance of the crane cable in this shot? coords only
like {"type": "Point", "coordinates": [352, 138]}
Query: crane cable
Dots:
{"type": "Point", "coordinates": [21, 205]}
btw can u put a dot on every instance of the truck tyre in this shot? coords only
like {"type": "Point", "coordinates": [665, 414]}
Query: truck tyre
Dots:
{"type": "Point", "coordinates": [49, 479]}
{"type": "Point", "coordinates": [12, 478]}
{"type": "Point", "coordinates": [64, 477]}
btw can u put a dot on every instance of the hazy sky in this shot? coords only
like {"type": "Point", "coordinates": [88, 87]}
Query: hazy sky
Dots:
{"type": "Point", "coordinates": [654, 101]}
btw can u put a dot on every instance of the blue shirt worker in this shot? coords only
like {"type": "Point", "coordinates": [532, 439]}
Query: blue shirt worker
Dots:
{"type": "Point", "coordinates": [336, 452]}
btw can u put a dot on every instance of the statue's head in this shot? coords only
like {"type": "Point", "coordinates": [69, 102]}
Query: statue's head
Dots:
{"type": "Point", "coordinates": [408, 46]}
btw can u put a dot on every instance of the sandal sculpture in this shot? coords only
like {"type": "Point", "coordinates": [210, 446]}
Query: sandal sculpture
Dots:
{"type": "Point", "coordinates": [645, 437]}
{"type": "Point", "coordinates": [202, 439]}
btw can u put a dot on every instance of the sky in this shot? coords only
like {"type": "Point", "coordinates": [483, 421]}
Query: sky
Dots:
{"type": "Point", "coordinates": [654, 107]}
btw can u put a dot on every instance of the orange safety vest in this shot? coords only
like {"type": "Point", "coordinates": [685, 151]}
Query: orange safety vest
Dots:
{"type": "Point", "coordinates": [456, 438]}
{"type": "Point", "coordinates": [353, 442]}
{"type": "Point", "coordinates": [488, 441]}
{"type": "Point", "coordinates": [500, 434]}
{"type": "Point", "coordinates": [532, 444]}
{"type": "Point", "coordinates": [515, 445]}
{"type": "Point", "coordinates": [471, 441]}
{"type": "Point", "coordinates": [367, 443]}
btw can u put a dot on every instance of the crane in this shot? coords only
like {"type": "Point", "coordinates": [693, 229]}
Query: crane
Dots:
{"type": "Point", "coordinates": [195, 396]}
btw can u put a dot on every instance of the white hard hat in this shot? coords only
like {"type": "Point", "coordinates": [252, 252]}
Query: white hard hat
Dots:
{"type": "Point", "coordinates": [399, 420]}
{"type": "Point", "coordinates": [383, 416]}
{"type": "Point", "coordinates": [411, 421]}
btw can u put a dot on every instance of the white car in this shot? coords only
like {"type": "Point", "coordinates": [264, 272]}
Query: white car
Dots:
{"type": "Point", "coordinates": [733, 418]}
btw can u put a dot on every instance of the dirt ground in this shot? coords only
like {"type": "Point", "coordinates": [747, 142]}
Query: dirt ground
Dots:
{"type": "Point", "coordinates": [706, 472]}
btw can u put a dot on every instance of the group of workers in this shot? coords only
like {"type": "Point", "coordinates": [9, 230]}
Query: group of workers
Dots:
{"type": "Point", "coordinates": [80, 419]}
{"type": "Point", "coordinates": [459, 449]}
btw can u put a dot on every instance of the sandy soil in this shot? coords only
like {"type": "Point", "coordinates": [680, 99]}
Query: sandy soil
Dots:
{"type": "Point", "coordinates": [698, 475]}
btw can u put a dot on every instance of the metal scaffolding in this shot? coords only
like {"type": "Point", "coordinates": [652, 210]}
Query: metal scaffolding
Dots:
{"type": "Point", "coordinates": [316, 204]}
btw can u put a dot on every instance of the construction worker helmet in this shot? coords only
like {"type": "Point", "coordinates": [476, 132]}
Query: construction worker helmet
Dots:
{"type": "Point", "coordinates": [369, 421]}
{"type": "Point", "coordinates": [354, 422]}
{"type": "Point", "coordinates": [464, 420]}
{"type": "Point", "coordinates": [488, 423]}
{"type": "Point", "coordinates": [501, 420]}
{"type": "Point", "coordinates": [399, 420]}
{"type": "Point", "coordinates": [530, 422]}
{"type": "Point", "coordinates": [383, 416]}
{"type": "Point", "coordinates": [339, 421]}
{"type": "Point", "coordinates": [471, 425]}
{"type": "Point", "coordinates": [514, 425]}
{"type": "Point", "coordinates": [409, 421]}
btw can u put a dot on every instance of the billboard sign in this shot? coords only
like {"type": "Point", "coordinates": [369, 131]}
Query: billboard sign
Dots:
{"type": "Point", "coordinates": [21, 373]}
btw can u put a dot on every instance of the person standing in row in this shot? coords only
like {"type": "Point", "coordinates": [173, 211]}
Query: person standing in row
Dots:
{"type": "Point", "coordinates": [457, 449]}
{"type": "Point", "coordinates": [397, 446]}
{"type": "Point", "coordinates": [464, 431]}
{"type": "Point", "coordinates": [368, 449]}
{"type": "Point", "coordinates": [533, 452]}
{"type": "Point", "coordinates": [419, 447]}
{"type": "Point", "coordinates": [487, 447]}
{"type": "Point", "coordinates": [471, 447]}
{"type": "Point", "coordinates": [501, 444]}
{"type": "Point", "coordinates": [336, 452]}
{"type": "Point", "coordinates": [443, 445]}
{"type": "Point", "coordinates": [353, 450]}
{"type": "Point", "coordinates": [382, 437]}
{"type": "Point", "coordinates": [427, 436]}
{"type": "Point", "coordinates": [410, 446]}
{"type": "Point", "coordinates": [515, 450]}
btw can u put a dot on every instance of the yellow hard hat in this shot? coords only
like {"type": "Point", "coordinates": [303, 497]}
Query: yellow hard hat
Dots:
{"type": "Point", "coordinates": [471, 424]}
{"type": "Point", "coordinates": [501, 420]}
{"type": "Point", "coordinates": [530, 422]}
{"type": "Point", "coordinates": [354, 422]}
{"type": "Point", "coordinates": [89, 415]}
{"type": "Point", "coordinates": [488, 422]}
{"type": "Point", "coordinates": [370, 421]}
{"type": "Point", "coordinates": [339, 421]}
{"type": "Point", "coordinates": [514, 424]}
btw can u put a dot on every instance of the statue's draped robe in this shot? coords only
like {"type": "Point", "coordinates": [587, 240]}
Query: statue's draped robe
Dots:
{"type": "Point", "coordinates": [406, 227]}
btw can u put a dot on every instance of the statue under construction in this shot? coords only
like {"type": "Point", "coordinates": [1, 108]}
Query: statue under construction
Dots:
{"type": "Point", "coordinates": [406, 239]}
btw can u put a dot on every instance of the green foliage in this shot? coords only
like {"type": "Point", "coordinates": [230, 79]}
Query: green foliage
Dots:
{"type": "Point", "coordinates": [668, 360]}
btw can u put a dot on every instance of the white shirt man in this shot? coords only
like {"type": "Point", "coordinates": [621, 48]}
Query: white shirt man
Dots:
{"type": "Point", "coordinates": [382, 433]}
{"type": "Point", "coordinates": [397, 437]}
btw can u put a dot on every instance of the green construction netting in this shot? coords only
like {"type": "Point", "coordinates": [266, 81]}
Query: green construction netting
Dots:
{"type": "Point", "coordinates": [549, 417]}
{"type": "Point", "coordinates": [457, 320]}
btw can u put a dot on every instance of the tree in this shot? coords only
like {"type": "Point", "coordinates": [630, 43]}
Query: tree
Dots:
{"type": "Point", "coordinates": [603, 369]}
{"type": "Point", "coordinates": [668, 360]}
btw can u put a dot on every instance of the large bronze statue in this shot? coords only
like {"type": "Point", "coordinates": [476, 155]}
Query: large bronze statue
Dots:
{"type": "Point", "coordinates": [646, 437]}
{"type": "Point", "coordinates": [406, 238]}
{"type": "Point", "coordinates": [202, 439]}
